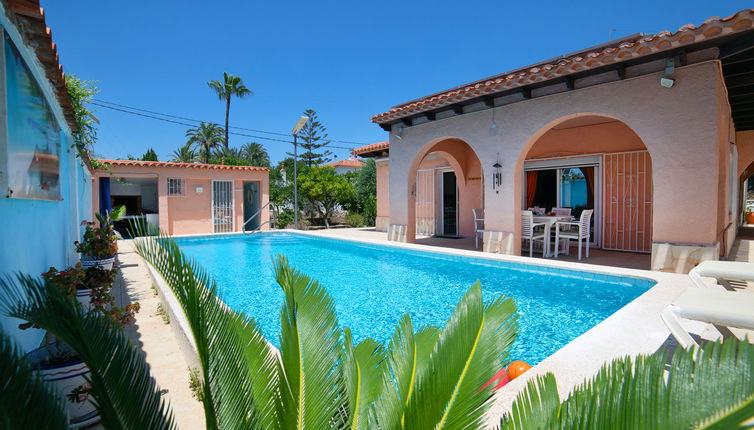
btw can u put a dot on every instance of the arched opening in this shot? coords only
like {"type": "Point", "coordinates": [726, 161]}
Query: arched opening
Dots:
{"type": "Point", "coordinates": [746, 187]}
{"type": "Point", "coordinates": [445, 184]}
{"type": "Point", "coordinates": [590, 162]}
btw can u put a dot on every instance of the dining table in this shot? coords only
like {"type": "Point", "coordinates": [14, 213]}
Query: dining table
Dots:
{"type": "Point", "coordinates": [549, 221]}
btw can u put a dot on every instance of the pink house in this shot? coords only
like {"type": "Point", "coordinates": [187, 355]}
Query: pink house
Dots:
{"type": "Point", "coordinates": [655, 134]}
{"type": "Point", "coordinates": [186, 198]}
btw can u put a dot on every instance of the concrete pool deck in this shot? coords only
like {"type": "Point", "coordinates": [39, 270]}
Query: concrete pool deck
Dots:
{"type": "Point", "coordinates": [634, 329]}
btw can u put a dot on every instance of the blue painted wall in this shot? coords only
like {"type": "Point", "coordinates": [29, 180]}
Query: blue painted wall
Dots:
{"type": "Point", "coordinates": [37, 234]}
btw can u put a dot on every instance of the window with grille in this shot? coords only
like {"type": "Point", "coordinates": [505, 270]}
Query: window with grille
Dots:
{"type": "Point", "coordinates": [175, 187]}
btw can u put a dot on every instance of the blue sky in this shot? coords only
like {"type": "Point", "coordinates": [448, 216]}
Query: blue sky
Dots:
{"type": "Point", "coordinates": [346, 60]}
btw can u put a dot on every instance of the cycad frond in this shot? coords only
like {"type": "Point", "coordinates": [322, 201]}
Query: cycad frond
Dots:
{"type": "Point", "coordinates": [310, 345]}
{"type": "Point", "coordinates": [26, 402]}
{"type": "Point", "coordinates": [468, 352]}
{"type": "Point", "coordinates": [364, 369]}
{"type": "Point", "coordinates": [711, 387]}
{"type": "Point", "coordinates": [241, 370]}
{"type": "Point", "coordinates": [125, 394]}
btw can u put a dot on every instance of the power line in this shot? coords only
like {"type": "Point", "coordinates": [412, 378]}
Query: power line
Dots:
{"type": "Point", "coordinates": [347, 142]}
{"type": "Point", "coordinates": [194, 125]}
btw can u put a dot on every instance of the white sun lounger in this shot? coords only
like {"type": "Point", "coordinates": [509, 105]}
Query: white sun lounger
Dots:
{"type": "Point", "coordinates": [732, 270]}
{"type": "Point", "coordinates": [725, 308]}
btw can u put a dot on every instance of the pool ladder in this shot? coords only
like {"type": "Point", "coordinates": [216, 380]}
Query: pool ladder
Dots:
{"type": "Point", "coordinates": [256, 214]}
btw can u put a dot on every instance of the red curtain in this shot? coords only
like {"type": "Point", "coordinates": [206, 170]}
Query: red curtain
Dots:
{"type": "Point", "coordinates": [589, 176]}
{"type": "Point", "coordinates": [531, 187]}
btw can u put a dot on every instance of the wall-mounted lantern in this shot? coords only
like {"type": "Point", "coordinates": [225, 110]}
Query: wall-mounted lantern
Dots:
{"type": "Point", "coordinates": [497, 175]}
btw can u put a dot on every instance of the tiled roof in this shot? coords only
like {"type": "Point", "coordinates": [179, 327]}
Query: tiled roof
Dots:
{"type": "Point", "coordinates": [664, 41]}
{"type": "Point", "coordinates": [371, 148]}
{"type": "Point", "coordinates": [29, 18]}
{"type": "Point", "coordinates": [351, 162]}
{"type": "Point", "coordinates": [140, 163]}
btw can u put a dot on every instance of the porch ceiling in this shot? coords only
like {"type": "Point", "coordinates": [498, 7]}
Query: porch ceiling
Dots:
{"type": "Point", "coordinates": [738, 68]}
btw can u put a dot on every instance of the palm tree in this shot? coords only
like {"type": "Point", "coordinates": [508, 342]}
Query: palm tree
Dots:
{"type": "Point", "coordinates": [206, 137]}
{"type": "Point", "coordinates": [229, 87]}
{"type": "Point", "coordinates": [184, 154]}
{"type": "Point", "coordinates": [255, 154]}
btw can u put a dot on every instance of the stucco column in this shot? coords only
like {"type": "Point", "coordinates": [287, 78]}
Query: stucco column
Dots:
{"type": "Point", "coordinates": [162, 204]}
{"type": "Point", "coordinates": [401, 156]}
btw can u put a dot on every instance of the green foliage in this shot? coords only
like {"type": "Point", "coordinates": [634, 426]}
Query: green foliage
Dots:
{"type": "Point", "coordinates": [205, 138]}
{"type": "Point", "coordinates": [26, 401]}
{"type": "Point", "coordinates": [126, 395]}
{"type": "Point", "coordinates": [185, 154]}
{"type": "Point", "coordinates": [284, 218]}
{"type": "Point", "coordinates": [231, 86]}
{"type": "Point", "coordinates": [255, 154]}
{"type": "Point", "coordinates": [366, 191]}
{"type": "Point", "coordinates": [163, 313]}
{"type": "Point", "coordinates": [228, 157]}
{"type": "Point", "coordinates": [81, 93]}
{"type": "Point", "coordinates": [195, 384]}
{"type": "Point", "coordinates": [150, 155]}
{"type": "Point", "coordinates": [325, 190]}
{"type": "Point", "coordinates": [711, 387]}
{"type": "Point", "coordinates": [313, 141]}
{"type": "Point", "coordinates": [100, 241]}
{"type": "Point", "coordinates": [355, 219]}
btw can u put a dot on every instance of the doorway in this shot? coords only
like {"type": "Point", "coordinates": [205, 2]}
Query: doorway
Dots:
{"type": "Point", "coordinates": [565, 183]}
{"type": "Point", "coordinates": [449, 204]}
{"type": "Point", "coordinates": [251, 205]}
{"type": "Point", "coordinates": [222, 206]}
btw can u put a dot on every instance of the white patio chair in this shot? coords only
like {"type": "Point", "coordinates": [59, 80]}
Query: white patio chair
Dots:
{"type": "Point", "coordinates": [529, 230]}
{"type": "Point", "coordinates": [583, 231]}
{"type": "Point", "coordinates": [478, 225]}
{"type": "Point", "coordinates": [726, 308]}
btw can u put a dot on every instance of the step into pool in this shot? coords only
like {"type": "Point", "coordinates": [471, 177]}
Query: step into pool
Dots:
{"type": "Point", "coordinates": [374, 285]}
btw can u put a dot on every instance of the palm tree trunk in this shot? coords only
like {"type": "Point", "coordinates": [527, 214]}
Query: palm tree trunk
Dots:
{"type": "Point", "coordinates": [227, 114]}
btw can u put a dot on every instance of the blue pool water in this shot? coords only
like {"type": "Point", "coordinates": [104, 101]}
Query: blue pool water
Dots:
{"type": "Point", "coordinates": [374, 285]}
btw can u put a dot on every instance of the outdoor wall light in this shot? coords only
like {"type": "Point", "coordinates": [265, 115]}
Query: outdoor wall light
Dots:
{"type": "Point", "coordinates": [398, 132]}
{"type": "Point", "coordinates": [667, 82]}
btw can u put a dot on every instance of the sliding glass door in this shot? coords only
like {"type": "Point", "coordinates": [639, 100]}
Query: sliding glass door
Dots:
{"type": "Point", "coordinates": [564, 183]}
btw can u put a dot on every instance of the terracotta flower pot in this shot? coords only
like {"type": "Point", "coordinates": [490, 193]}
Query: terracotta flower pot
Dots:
{"type": "Point", "coordinates": [68, 380]}
{"type": "Point", "coordinates": [749, 217]}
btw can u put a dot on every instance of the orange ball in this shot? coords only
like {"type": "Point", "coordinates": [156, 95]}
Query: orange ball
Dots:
{"type": "Point", "coordinates": [517, 368]}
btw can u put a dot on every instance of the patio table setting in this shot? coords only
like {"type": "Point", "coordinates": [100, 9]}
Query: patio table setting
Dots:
{"type": "Point", "coordinates": [549, 221]}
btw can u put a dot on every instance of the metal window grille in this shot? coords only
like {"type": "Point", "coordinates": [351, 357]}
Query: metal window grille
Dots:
{"type": "Point", "coordinates": [175, 187]}
{"type": "Point", "coordinates": [222, 206]}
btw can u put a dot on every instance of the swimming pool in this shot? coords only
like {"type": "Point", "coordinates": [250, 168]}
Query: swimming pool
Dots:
{"type": "Point", "coordinates": [374, 285]}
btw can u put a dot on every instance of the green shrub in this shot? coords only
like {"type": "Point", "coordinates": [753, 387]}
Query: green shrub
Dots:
{"type": "Point", "coordinates": [284, 218]}
{"type": "Point", "coordinates": [195, 384]}
{"type": "Point", "coordinates": [355, 219]}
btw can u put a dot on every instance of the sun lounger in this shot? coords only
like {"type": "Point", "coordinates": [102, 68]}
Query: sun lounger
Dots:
{"type": "Point", "coordinates": [731, 270]}
{"type": "Point", "coordinates": [725, 308]}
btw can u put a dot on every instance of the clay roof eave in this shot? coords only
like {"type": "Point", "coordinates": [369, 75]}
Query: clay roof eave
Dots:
{"type": "Point", "coordinates": [687, 35]}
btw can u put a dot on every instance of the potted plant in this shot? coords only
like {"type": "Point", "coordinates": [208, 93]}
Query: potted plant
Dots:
{"type": "Point", "coordinates": [749, 214]}
{"type": "Point", "coordinates": [57, 363]}
{"type": "Point", "coordinates": [100, 242]}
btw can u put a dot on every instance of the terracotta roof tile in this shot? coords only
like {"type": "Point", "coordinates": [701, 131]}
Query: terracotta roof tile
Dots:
{"type": "Point", "coordinates": [351, 162]}
{"type": "Point", "coordinates": [29, 18]}
{"type": "Point", "coordinates": [140, 163]}
{"type": "Point", "coordinates": [371, 148]}
{"type": "Point", "coordinates": [711, 28]}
